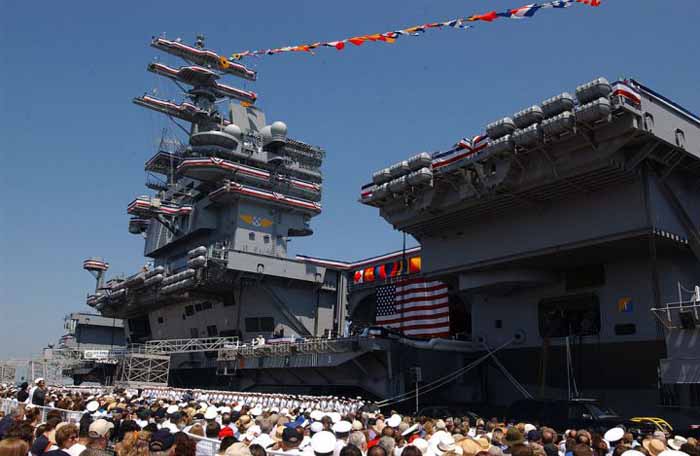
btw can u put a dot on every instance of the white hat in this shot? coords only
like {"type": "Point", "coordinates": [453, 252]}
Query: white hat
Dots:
{"type": "Point", "coordinates": [334, 416]}
{"type": "Point", "coordinates": [444, 444]}
{"type": "Point", "coordinates": [225, 409]}
{"type": "Point", "coordinates": [316, 415]}
{"type": "Point", "coordinates": [632, 453]}
{"type": "Point", "coordinates": [100, 427]}
{"type": "Point", "coordinates": [410, 430]}
{"type": "Point", "coordinates": [38, 380]}
{"type": "Point", "coordinates": [92, 406]}
{"type": "Point", "coordinates": [393, 421]}
{"type": "Point", "coordinates": [341, 427]}
{"type": "Point", "coordinates": [614, 434]}
{"type": "Point", "coordinates": [672, 453]}
{"type": "Point", "coordinates": [264, 440]}
{"type": "Point", "coordinates": [676, 442]}
{"type": "Point", "coordinates": [440, 425]}
{"type": "Point", "coordinates": [257, 410]}
{"type": "Point", "coordinates": [211, 413]}
{"type": "Point", "coordinates": [323, 442]}
{"type": "Point", "coordinates": [422, 445]}
{"type": "Point", "coordinates": [316, 426]}
{"type": "Point", "coordinates": [171, 409]}
{"type": "Point", "coordinates": [253, 432]}
{"type": "Point", "coordinates": [356, 425]}
{"type": "Point", "coordinates": [529, 427]}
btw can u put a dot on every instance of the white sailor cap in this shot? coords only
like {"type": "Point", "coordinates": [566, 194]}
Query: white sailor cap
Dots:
{"type": "Point", "coordinates": [323, 442]}
{"type": "Point", "coordinates": [393, 421]}
{"type": "Point", "coordinates": [341, 427]}
{"type": "Point", "coordinates": [211, 413]}
{"type": "Point", "coordinates": [92, 406]}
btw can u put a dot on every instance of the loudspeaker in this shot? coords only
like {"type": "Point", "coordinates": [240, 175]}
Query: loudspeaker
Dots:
{"type": "Point", "coordinates": [687, 319]}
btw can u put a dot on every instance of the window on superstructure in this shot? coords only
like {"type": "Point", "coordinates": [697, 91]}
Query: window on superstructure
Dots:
{"type": "Point", "coordinates": [194, 333]}
{"type": "Point", "coordinates": [212, 331]}
{"type": "Point", "coordinates": [251, 236]}
{"type": "Point", "coordinates": [266, 239]}
{"type": "Point", "coordinates": [206, 305]}
{"type": "Point", "coordinates": [160, 320]}
{"type": "Point", "coordinates": [189, 311]}
{"type": "Point", "coordinates": [577, 315]}
{"type": "Point", "coordinates": [198, 307]}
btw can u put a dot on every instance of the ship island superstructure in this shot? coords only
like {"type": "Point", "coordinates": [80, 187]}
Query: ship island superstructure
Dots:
{"type": "Point", "coordinates": [225, 206]}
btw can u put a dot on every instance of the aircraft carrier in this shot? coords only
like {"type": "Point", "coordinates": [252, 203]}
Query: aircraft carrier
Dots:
{"type": "Point", "coordinates": [563, 231]}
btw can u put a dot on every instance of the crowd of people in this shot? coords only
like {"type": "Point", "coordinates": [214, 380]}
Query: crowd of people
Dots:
{"type": "Point", "coordinates": [41, 421]}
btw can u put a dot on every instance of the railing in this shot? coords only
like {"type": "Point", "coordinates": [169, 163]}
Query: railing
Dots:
{"type": "Point", "coordinates": [70, 416]}
{"type": "Point", "coordinates": [689, 307]}
{"type": "Point", "coordinates": [315, 345]}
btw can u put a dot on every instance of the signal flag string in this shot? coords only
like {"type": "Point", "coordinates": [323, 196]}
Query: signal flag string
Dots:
{"type": "Point", "coordinates": [523, 12]}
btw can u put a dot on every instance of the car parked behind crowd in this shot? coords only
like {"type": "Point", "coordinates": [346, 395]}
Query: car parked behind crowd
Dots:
{"type": "Point", "coordinates": [563, 414]}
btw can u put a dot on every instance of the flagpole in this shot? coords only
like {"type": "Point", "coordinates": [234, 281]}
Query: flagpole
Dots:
{"type": "Point", "coordinates": [403, 263]}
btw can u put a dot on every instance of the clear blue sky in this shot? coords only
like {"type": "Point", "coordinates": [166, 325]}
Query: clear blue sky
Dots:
{"type": "Point", "coordinates": [73, 145]}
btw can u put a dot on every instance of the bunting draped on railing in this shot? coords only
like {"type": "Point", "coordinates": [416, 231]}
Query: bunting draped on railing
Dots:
{"type": "Point", "coordinates": [522, 12]}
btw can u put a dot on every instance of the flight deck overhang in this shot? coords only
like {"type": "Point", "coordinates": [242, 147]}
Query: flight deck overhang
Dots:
{"type": "Point", "coordinates": [541, 154]}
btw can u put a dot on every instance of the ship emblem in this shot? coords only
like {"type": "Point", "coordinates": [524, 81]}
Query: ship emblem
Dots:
{"type": "Point", "coordinates": [256, 221]}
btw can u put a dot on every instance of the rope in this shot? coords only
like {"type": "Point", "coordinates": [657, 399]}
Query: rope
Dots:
{"type": "Point", "coordinates": [437, 383]}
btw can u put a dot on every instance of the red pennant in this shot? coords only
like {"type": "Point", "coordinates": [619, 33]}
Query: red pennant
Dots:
{"type": "Point", "coordinates": [340, 45]}
{"type": "Point", "coordinates": [358, 40]}
{"type": "Point", "coordinates": [488, 17]}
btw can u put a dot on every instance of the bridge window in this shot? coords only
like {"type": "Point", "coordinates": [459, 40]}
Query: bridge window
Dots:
{"type": "Point", "coordinates": [577, 315]}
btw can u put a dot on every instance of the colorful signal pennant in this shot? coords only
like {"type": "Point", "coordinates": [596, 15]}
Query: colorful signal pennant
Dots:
{"type": "Point", "coordinates": [522, 12]}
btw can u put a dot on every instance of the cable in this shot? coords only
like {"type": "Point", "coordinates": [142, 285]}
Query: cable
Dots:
{"type": "Point", "coordinates": [437, 383]}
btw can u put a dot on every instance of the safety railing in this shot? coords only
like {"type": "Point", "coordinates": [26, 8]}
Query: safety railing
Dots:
{"type": "Point", "coordinates": [9, 406]}
{"type": "Point", "coordinates": [272, 348]}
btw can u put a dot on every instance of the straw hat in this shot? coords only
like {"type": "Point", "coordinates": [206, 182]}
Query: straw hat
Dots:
{"type": "Point", "coordinates": [654, 446]}
{"type": "Point", "coordinates": [676, 442]}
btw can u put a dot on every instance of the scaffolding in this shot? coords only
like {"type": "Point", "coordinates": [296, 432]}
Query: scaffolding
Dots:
{"type": "Point", "coordinates": [142, 370]}
{"type": "Point", "coordinates": [148, 365]}
{"type": "Point", "coordinates": [8, 373]}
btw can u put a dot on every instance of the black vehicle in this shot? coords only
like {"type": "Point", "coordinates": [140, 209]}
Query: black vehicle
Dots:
{"type": "Point", "coordinates": [562, 414]}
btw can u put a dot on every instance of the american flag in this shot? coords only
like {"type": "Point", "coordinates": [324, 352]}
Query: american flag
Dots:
{"type": "Point", "coordinates": [415, 307]}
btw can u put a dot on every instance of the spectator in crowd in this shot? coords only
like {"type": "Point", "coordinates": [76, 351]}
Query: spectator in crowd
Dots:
{"type": "Point", "coordinates": [23, 394]}
{"type": "Point", "coordinates": [66, 436]}
{"type": "Point", "coordinates": [13, 447]}
{"type": "Point", "coordinates": [38, 396]}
